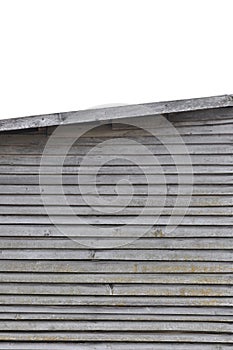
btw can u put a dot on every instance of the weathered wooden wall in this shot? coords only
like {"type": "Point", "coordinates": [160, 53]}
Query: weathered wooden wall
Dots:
{"type": "Point", "coordinates": [162, 291]}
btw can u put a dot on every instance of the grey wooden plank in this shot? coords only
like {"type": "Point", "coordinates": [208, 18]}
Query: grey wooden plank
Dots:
{"type": "Point", "coordinates": [196, 159]}
{"type": "Point", "coordinates": [152, 179]}
{"type": "Point", "coordinates": [120, 211]}
{"type": "Point", "coordinates": [115, 170]}
{"type": "Point", "coordinates": [202, 115]}
{"type": "Point", "coordinates": [146, 127]}
{"type": "Point", "coordinates": [97, 300]}
{"type": "Point", "coordinates": [117, 290]}
{"type": "Point", "coordinates": [135, 201]}
{"type": "Point", "coordinates": [211, 118]}
{"type": "Point", "coordinates": [197, 255]}
{"type": "Point", "coordinates": [117, 336]}
{"type": "Point", "coordinates": [183, 290]}
{"type": "Point", "coordinates": [83, 232]}
{"type": "Point", "coordinates": [112, 317]}
{"type": "Point", "coordinates": [112, 346]}
{"type": "Point", "coordinates": [163, 129]}
{"type": "Point", "coordinates": [59, 289]}
{"type": "Point", "coordinates": [115, 311]}
{"type": "Point", "coordinates": [142, 243]}
{"type": "Point", "coordinates": [114, 113]}
{"type": "Point", "coordinates": [86, 140]}
{"type": "Point", "coordinates": [115, 266]}
{"type": "Point", "coordinates": [210, 189]}
{"type": "Point", "coordinates": [196, 279]}
{"type": "Point", "coordinates": [114, 326]}
{"type": "Point", "coordinates": [129, 220]}
{"type": "Point", "coordinates": [116, 254]}
{"type": "Point", "coordinates": [100, 149]}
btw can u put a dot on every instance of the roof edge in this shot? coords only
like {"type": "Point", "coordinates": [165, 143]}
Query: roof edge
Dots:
{"type": "Point", "coordinates": [119, 112]}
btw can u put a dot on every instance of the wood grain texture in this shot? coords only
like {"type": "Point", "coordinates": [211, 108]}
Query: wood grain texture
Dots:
{"type": "Point", "coordinates": [139, 337]}
{"type": "Point", "coordinates": [164, 290]}
{"type": "Point", "coordinates": [113, 346]}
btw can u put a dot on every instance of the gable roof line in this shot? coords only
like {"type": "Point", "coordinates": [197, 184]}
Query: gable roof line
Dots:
{"type": "Point", "coordinates": [119, 112]}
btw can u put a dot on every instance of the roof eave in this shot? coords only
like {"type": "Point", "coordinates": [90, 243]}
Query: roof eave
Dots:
{"type": "Point", "coordinates": [119, 112]}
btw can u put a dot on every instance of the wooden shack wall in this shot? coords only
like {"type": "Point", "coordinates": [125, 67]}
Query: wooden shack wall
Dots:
{"type": "Point", "coordinates": [162, 291]}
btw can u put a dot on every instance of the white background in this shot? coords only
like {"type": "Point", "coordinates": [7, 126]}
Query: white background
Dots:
{"type": "Point", "coordinates": [62, 55]}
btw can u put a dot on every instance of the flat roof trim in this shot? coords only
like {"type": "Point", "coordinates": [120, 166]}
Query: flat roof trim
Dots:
{"type": "Point", "coordinates": [114, 113]}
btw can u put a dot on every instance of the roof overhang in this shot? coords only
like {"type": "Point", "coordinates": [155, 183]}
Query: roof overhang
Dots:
{"type": "Point", "coordinates": [119, 112]}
